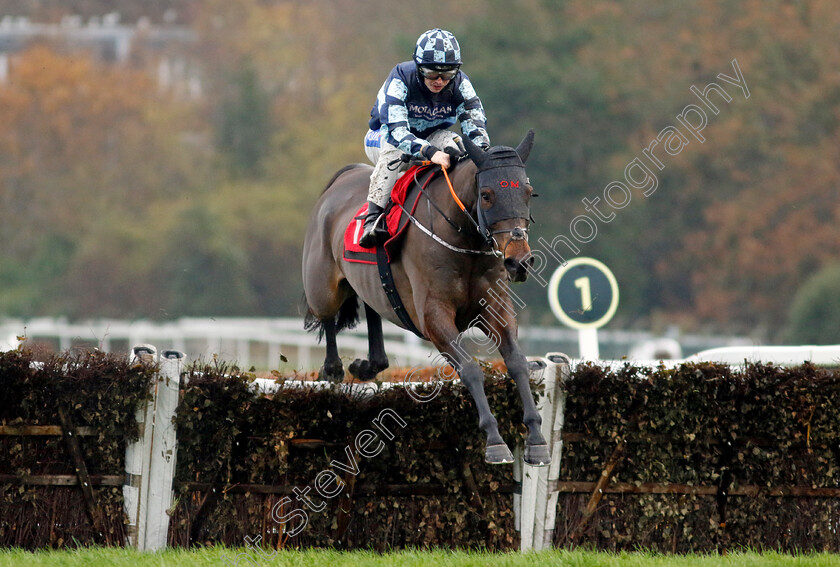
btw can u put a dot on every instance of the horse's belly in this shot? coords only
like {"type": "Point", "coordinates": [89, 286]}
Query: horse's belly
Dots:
{"type": "Point", "coordinates": [364, 279]}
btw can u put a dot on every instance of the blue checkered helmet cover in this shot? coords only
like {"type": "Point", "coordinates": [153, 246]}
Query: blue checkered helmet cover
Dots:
{"type": "Point", "coordinates": [437, 47]}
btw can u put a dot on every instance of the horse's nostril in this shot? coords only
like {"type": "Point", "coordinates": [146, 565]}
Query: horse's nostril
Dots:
{"type": "Point", "coordinates": [531, 261]}
{"type": "Point", "coordinates": [511, 264]}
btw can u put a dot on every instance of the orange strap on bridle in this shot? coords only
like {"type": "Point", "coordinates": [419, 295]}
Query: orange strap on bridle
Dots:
{"type": "Point", "coordinates": [452, 190]}
{"type": "Point", "coordinates": [449, 183]}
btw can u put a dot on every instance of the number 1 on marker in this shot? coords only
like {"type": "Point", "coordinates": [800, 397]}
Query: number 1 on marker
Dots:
{"type": "Point", "coordinates": [585, 293]}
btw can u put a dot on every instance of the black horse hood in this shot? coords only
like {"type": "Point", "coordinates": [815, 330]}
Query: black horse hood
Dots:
{"type": "Point", "coordinates": [502, 170]}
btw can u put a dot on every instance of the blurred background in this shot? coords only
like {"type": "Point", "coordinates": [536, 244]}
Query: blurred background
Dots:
{"type": "Point", "coordinates": [159, 158]}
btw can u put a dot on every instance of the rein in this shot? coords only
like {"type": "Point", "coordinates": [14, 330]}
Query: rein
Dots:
{"type": "Point", "coordinates": [452, 190]}
{"type": "Point", "coordinates": [495, 252]}
{"type": "Point", "coordinates": [491, 241]}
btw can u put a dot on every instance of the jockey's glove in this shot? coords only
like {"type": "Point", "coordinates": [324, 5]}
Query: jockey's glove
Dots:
{"type": "Point", "coordinates": [429, 151]}
{"type": "Point", "coordinates": [455, 153]}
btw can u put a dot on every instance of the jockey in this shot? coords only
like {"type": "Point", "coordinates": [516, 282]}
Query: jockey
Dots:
{"type": "Point", "coordinates": [416, 105]}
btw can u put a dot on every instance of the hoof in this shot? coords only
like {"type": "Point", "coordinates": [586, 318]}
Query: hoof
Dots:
{"type": "Point", "coordinates": [363, 370]}
{"type": "Point", "coordinates": [332, 373]}
{"type": "Point", "coordinates": [498, 454]}
{"type": "Point", "coordinates": [537, 455]}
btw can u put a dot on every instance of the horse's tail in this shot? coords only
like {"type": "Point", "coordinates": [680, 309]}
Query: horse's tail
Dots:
{"type": "Point", "coordinates": [346, 318]}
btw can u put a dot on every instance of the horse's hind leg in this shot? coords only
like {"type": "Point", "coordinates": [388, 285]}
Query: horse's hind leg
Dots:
{"type": "Point", "coordinates": [333, 369]}
{"type": "Point", "coordinates": [377, 360]}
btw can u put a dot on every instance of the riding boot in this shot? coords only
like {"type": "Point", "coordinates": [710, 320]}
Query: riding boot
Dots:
{"type": "Point", "coordinates": [369, 236]}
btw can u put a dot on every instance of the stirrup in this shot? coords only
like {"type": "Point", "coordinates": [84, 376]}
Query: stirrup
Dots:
{"type": "Point", "coordinates": [373, 233]}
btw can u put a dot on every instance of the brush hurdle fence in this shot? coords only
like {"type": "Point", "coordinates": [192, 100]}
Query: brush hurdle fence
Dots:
{"type": "Point", "coordinates": [536, 492]}
{"type": "Point", "coordinates": [150, 462]}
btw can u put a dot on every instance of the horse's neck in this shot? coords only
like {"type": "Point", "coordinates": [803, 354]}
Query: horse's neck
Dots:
{"type": "Point", "coordinates": [463, 182]}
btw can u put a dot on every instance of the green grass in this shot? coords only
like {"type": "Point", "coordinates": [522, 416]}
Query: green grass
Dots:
{"type": "Point", "coordinates": [102, 557]}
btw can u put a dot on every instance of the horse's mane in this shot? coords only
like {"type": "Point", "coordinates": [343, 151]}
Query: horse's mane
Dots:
{"type": "Point", "coordinates": [340, 172]}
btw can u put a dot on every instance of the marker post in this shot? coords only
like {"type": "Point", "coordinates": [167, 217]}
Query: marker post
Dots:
{"type": "Point", "coordinates": [583, 294]}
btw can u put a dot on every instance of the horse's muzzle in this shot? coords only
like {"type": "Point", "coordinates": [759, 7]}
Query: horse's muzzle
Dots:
{"type": "Point", "coordinates": [516, 252]}
{"type": "Point", "coordinates": [517, 270]}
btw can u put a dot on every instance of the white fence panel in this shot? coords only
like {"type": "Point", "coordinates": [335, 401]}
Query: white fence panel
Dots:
{"type": "Point", "coordinates": [828, 355]}
{"type": "Point", "coordinates": [153, 457]}
{"type": "Point", "coordinates": [538, 504]}
{"type": "Point", "coordinates": [137, 458]}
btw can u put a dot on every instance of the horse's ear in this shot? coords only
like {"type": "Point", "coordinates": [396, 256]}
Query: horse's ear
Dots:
{"type": "Point", "coordinates": [476, 154]}
{"type": "Point", "coordinates": [524, 147]}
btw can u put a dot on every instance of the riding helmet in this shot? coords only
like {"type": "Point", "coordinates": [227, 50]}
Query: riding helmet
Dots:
{"type": "Point", "coordinates": [437, 48]}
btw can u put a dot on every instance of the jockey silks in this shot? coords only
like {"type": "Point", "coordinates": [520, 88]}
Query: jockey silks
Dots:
{"type": "Point", "coordinates": [406, 111]}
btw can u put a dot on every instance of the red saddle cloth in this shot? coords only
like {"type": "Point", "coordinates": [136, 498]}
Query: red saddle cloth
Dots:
{"type": "Point", "coordinates": [404, 190]}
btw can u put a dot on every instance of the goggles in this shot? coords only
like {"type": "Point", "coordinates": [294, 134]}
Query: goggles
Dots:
{"type": "Point", "coordinates": [433, 74]}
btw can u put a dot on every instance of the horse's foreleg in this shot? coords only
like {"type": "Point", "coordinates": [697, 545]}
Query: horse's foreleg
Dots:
{"type": "Point", "coordinates": [377, 360]}
{"type": "Point", "coordinates": [536, 449]}
{"type": "Point", "coordinates": [332, 370]}
{"type": "Point", "coordinates": [441, 330]}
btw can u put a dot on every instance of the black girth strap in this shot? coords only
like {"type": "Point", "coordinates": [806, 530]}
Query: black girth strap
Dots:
{"type": "Point", "coordinates": [387, 279]}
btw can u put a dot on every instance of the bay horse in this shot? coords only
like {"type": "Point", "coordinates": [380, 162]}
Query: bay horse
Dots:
{"type": "Point", "coordinates": [451, 273]}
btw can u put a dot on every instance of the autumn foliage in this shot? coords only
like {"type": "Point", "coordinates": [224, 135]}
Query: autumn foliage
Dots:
{"type": "Point", "coordinates": [120, 198]}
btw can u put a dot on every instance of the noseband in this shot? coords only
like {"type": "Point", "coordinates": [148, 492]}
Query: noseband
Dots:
{"type": "Point", "coordinates": [517, 233]}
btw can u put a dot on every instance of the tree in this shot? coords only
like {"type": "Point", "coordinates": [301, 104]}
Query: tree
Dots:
{"type": "Point", "coordinates": [96, 165]}
{"type": "Point", "coordinates": [815, 312]}
{"type": "Point", "coordinates": [204, 269]}
{"type": "Point", "coordinates": [245, 131]}
{"type": "Point", "coordinates": [82, 145]}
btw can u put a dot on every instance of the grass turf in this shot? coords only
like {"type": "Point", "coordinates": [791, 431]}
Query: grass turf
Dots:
{"type": "Point", "coordinates": [107, 557]}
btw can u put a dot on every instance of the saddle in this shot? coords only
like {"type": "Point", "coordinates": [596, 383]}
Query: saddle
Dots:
{"type": "Point", "coordinates": [404, 196]}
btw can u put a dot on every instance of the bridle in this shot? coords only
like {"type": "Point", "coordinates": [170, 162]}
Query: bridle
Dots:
{"type": "Point", "coordinates": [482, 226]}
{"type": "Point", "coordinates": [517, 233]}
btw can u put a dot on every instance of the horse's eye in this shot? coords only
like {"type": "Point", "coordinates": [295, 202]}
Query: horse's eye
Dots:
{"type": "Point", "coordinates": [488, 197]}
